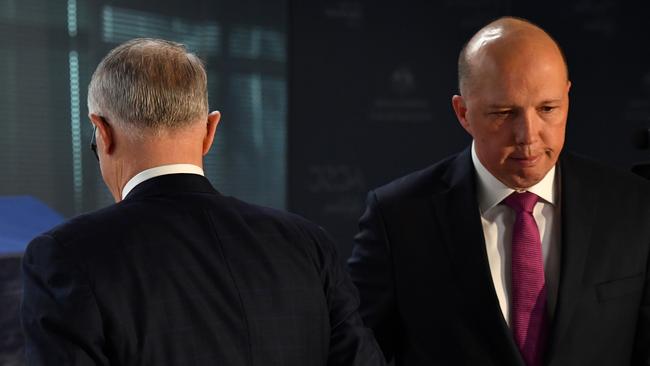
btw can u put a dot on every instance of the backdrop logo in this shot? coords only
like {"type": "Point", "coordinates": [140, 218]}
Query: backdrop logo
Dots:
{"type": "Point", "coordinates": [402, 81]}
{"type": "Point", "coordinates": [341, 187]}
{"type": "Point", "coordinates": [399, 100]}
{"type": "Point", "coordinates": [349, 13]}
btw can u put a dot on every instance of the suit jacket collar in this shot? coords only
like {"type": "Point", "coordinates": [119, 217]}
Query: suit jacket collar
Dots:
{"type": "Point", "coordinates": [457, 211]}
{"type": "Point", "coordinates": [159, 170]}
{"type": "Point", "coordinates": [171, 183]}
{"type": "Point", "coordinates": [578, 211]}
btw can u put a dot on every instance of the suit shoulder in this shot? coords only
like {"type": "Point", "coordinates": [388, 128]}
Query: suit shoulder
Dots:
{"type": "Point", "coordinates": [87, 223]}
{"type": "Point", "coordinates": [420, 183]}
{"type": "Point", "coordinates": [607, 177]}
{"type": "Point", "coordinates": [74, 235]}
{"type": "Point", "coordinates": [293, 233]}
{"type": "Point", "coordinates": [260, 217]}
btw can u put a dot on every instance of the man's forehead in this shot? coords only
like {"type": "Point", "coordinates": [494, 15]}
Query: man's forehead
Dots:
{"type": "Point", "coordinates": [497, 95]}
{"type": "Point", "coordinates": [503, 57]}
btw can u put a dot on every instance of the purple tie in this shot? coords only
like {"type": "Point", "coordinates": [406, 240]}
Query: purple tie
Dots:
{"type": "Point", "coordinates": [528, 319]}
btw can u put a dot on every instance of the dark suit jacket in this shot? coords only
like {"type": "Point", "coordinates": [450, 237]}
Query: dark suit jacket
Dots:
{"type": "Point", "coordinates": [421, 267]}
{"type": "Point", "coordinates": [177, 274]}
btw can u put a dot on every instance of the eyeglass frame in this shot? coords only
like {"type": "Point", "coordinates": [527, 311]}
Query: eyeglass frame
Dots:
{"type": "Point", "coordinates": [93, 139]}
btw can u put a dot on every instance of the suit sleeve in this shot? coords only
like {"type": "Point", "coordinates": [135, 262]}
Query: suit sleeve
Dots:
{"type": "Point", "coordinates": [351, 342]}
{"type": "Point", "coordinates": [60, 317]}
{"type": "Point", "coordinates": [372, 273]}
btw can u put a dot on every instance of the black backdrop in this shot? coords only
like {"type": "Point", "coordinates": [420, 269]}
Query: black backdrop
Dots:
{"type": "Point", "coordinates": [371, 85]}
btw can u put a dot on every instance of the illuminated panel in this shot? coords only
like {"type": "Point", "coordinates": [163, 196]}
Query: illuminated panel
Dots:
{"type": "Point", "coordinates": [72, 18]}
{"type": "Point", "coordinates": [257, 43]}
{"type": "Point", "coordinates": [75, 128]}
{"type": "Point", "coordinates": [120, 25]}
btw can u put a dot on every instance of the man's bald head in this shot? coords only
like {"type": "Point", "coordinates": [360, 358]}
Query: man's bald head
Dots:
{"type": "Point", "coordinates": [514, 100]}
{"type": "Point", "coordinates": [503, 38]}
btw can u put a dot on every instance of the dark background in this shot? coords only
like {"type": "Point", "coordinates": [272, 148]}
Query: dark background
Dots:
{"type": "Point", "coordinates": [321, 100]}
{"type": "Point", "coordinates": [370, 86]}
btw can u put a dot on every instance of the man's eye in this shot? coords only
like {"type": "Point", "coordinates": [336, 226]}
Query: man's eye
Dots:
{"type": "Point", "coordinates": [548, 108]}
{"type": "Point", "coordinates": [501, 113]}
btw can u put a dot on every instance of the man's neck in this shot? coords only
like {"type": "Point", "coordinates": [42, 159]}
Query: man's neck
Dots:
{"type": "Point", "coordinates": [138, 158]}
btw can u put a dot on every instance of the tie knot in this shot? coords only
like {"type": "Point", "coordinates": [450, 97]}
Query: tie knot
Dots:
{"type": "Point", "coordinates": [524, 201]}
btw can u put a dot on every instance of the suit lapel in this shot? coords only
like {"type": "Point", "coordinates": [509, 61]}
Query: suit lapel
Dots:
{"type": "Point", "coordinates": [578, 210]}
{"type": "Point", "coordinates": [457, 212]}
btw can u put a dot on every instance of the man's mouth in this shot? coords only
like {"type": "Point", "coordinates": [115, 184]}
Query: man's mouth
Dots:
{"type": "Point", "coordinates": [525, 161]}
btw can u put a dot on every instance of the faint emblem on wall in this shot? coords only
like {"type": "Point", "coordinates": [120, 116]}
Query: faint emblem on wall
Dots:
{"type": "Point", "coordinates": [348, 13]}
{"type": "Point", "coordinates": [400, 100]}
{"type": "Point", "coordinates": [340, 185]}
{"type": "Point", "coordinates": [402, 81]}
{"type": "Point", "coordinates": [598, 16]}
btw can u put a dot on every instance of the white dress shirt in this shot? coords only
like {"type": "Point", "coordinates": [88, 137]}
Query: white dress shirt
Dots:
{"type": "Point", "coordinates": [158, 171]}
{"type": "Point", "coordinates": [498, 219]}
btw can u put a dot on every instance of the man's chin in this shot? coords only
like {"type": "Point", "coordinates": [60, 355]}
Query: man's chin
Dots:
{"type": "Point", "coordinates": [525, 180]}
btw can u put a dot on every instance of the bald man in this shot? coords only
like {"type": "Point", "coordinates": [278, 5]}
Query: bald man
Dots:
{"type": "Point", "coordinates": [175, 273]}
{"type": "Point", "coordinates": [511, 252]}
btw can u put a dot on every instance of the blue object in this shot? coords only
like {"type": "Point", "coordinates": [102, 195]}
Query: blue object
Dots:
{"type": "Point", "coordinates": [21, 219]}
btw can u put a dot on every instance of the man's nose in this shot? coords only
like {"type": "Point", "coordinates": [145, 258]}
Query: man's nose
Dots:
{"type": "Point", "coordinates": [526, 128]}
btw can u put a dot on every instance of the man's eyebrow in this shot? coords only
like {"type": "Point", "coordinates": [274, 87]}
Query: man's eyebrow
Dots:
{"type": "Point", "coordinates": [512, 106]}
{"type": "Point", "coordinates": [501, 106]}
{"type": "Point", "coordinates": [551, 101]}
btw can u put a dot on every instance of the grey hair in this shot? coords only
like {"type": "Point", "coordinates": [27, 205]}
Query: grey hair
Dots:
{"type": "Point", "coordinates": [149, 85]}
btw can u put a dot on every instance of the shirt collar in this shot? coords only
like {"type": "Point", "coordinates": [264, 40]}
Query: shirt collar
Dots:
{"type": "Point", "coordinates": [492, 191]}
{"type": "Point", "coordinates": [158, 171]}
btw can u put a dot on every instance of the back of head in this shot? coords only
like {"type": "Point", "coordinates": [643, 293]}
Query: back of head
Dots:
{"type": "Point", "coordinates": [149, 85]}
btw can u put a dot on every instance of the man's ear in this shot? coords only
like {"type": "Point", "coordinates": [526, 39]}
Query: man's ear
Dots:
{"type": "Point", "coordinates": [460, 108]}
{"type": "Point", "coordinates": [105, 133]}
{"type": "Point", "coordinates": [211, 128]}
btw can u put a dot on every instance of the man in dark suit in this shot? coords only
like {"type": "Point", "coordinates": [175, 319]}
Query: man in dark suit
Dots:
{"type": "Point", "coordinates": [509, 253]}
{"type": "Point", "coordinates": [175, 273]}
